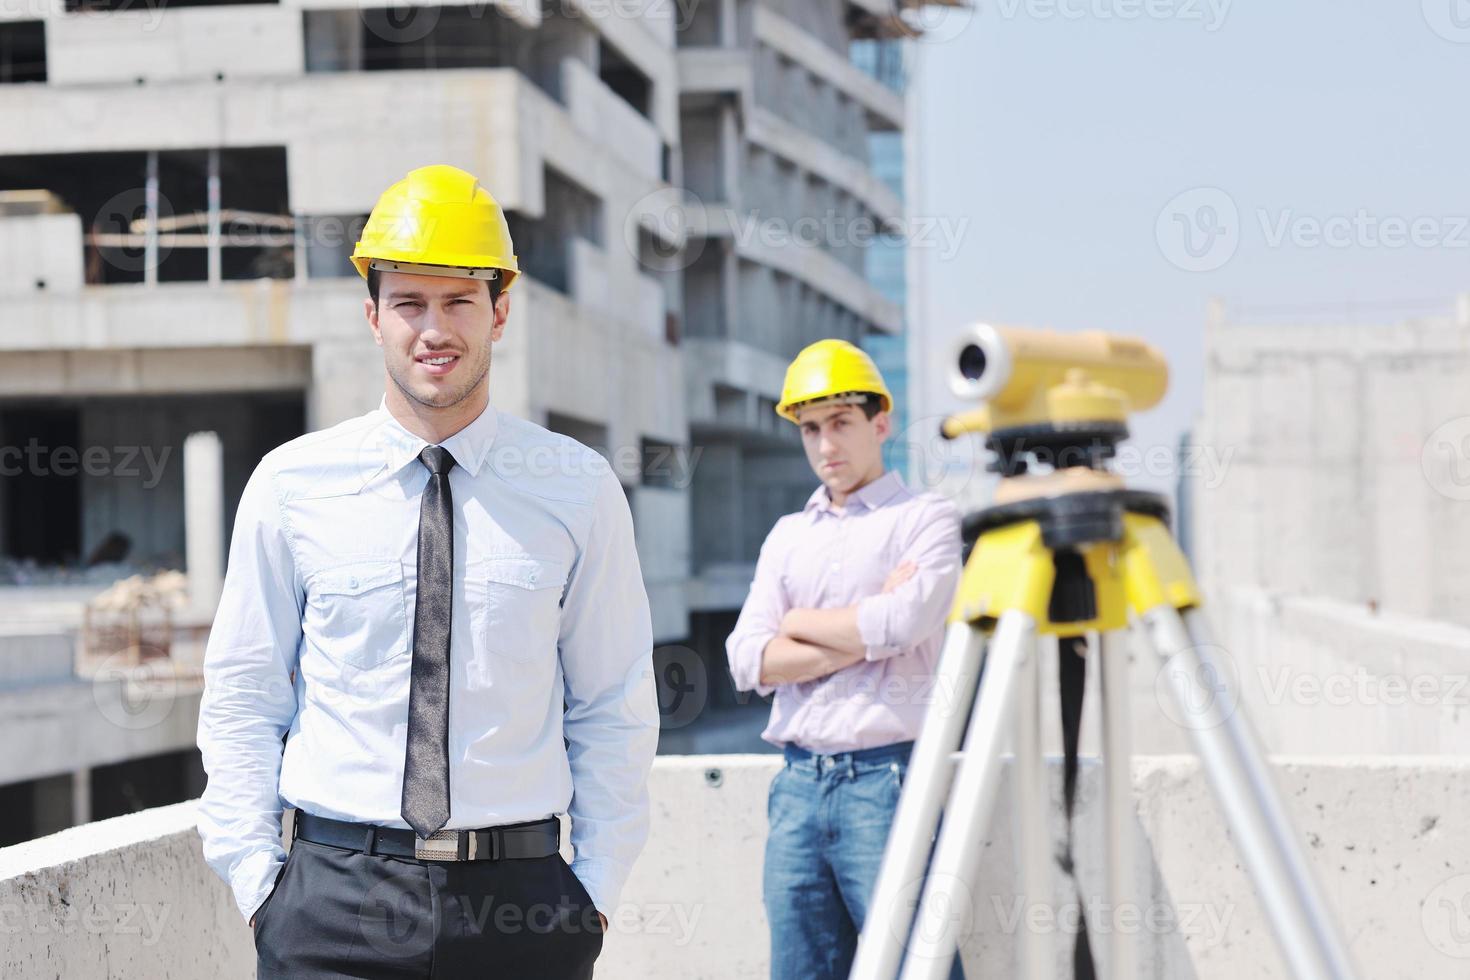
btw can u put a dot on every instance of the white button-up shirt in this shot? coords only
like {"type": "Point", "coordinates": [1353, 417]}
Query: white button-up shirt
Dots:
{"type": "Point", "coordinates": [550, 639]}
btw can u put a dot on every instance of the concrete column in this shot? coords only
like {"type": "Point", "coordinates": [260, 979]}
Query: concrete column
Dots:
{"type": "Point", "coordinates": [81, 796]}
{"type": "Point", "coordinates": [212, 183]}
{"type": "Point", "coordinates": [730, 151]}
{"type": "Point", "coordinates": [150, 232]}
{"type": "Point", "coordinates": [729, 29]}
{"type": "Point", "coordinates": [204, 519]}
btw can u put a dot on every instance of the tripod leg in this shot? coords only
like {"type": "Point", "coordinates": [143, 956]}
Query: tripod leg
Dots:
{"type": "Point", "coordinates": [1032, 839]}
{"type": "Point", "coordinates": [1230, 753]}
{"type": "Point", "coordinates": [890, 911]}
{"type": "Point", "coordinates": [1118, 799]}
{"type": "Point", "coordinates": [949, 890]}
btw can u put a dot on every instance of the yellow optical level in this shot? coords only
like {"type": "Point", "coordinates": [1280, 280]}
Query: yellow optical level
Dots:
{"type": "Point", "coordinates": [1029, 378]}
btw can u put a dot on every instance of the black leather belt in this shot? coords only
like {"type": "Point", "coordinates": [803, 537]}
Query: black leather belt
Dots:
{"type": "Point", "coordinates": [533, 839]}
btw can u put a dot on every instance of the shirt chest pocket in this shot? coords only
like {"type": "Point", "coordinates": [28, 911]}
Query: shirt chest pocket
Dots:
{"type": "Point", "coordinates": [516, 600]}
{"type": "Point", "coordinates": [356, 613]}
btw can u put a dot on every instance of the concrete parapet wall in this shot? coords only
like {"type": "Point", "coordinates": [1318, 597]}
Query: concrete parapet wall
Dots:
{"type": "Point", "coordinates": [132, 897]}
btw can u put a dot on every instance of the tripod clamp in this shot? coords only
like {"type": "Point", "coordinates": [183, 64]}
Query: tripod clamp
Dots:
{"type": "Point", "coordinates": [1069, 520]}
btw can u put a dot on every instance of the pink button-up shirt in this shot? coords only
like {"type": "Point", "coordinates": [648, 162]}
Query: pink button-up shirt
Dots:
{"type": "Point", "coordinates": [825, 557]}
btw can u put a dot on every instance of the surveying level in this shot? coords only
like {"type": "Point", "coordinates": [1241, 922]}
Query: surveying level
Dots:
{"type": "Point", "coordinates": [1069, 553]}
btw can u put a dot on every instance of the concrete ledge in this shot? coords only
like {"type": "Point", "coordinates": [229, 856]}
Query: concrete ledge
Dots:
{"type": "Point", "coordinates": [132, 897]}
{"type": "Point", "coordinates": [127, 897]}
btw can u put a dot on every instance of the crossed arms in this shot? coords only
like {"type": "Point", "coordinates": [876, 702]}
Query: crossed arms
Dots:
{"type": "Point", "coordinates": [813, 643]}
{"type": "Point", "coordinates": [776, 642]}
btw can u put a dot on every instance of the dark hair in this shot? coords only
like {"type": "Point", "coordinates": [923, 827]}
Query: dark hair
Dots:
{"type": "Point", "coordinates": [375, 278]}
{"type": "Point", "coordinates": [871, 404]}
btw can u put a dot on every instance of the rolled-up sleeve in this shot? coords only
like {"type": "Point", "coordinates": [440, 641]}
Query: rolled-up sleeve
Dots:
{"type": "Point", "coordinates": [611, 721]}
{"type": "Point", "coordinates": [760, 618]}
{"type": "Point", "coordinates": [248, 701]}
{"type": "Point", "coordinates": [891, 622]}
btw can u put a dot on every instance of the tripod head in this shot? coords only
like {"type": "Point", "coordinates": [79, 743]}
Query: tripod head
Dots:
{"type": "Point", "coordinates": [1051, 397]}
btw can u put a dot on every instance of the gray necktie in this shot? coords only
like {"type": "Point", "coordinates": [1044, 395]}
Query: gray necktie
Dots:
{"type": "Point", "coordinates": [426, 761]}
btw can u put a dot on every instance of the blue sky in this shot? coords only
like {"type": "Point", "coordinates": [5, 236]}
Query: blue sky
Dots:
{"type": "Point", "coordinates": [1055, 136]}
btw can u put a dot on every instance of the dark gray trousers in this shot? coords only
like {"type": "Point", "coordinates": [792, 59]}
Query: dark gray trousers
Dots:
{"type": "Point", "coordinates": [342, 913]}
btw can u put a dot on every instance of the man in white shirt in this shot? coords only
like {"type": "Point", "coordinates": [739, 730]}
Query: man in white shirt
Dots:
{"type": "Point", "coordinates": [440, 608]}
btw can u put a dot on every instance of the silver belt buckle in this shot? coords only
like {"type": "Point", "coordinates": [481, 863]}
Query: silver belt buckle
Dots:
{"type": "Point", "coordinates": [441, 845]}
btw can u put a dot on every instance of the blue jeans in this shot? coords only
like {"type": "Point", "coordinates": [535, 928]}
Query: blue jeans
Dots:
{"type": "Point", "coordinates": [829, 817]}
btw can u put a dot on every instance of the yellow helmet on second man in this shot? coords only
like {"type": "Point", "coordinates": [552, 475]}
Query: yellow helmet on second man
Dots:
{"type": "Point", "coordinates": [438, 220]}
{"type": "Point", "coordinates": [827, 369]}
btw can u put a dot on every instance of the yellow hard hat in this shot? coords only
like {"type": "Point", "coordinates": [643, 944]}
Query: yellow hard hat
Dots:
{"type": "Point", "coordinates": [438, 221]}
{"type": "Point", "coordinates": [827, 369]}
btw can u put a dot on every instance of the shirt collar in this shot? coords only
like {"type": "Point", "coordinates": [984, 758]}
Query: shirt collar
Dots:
{"type": "Point", "coordinates": [870, 497]}
{"type": "Point", "coordinates": [469, 446]}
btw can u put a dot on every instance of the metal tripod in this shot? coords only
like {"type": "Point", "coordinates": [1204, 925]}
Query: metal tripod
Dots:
{"type": "Point", "coordinates": [1073, 564]}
